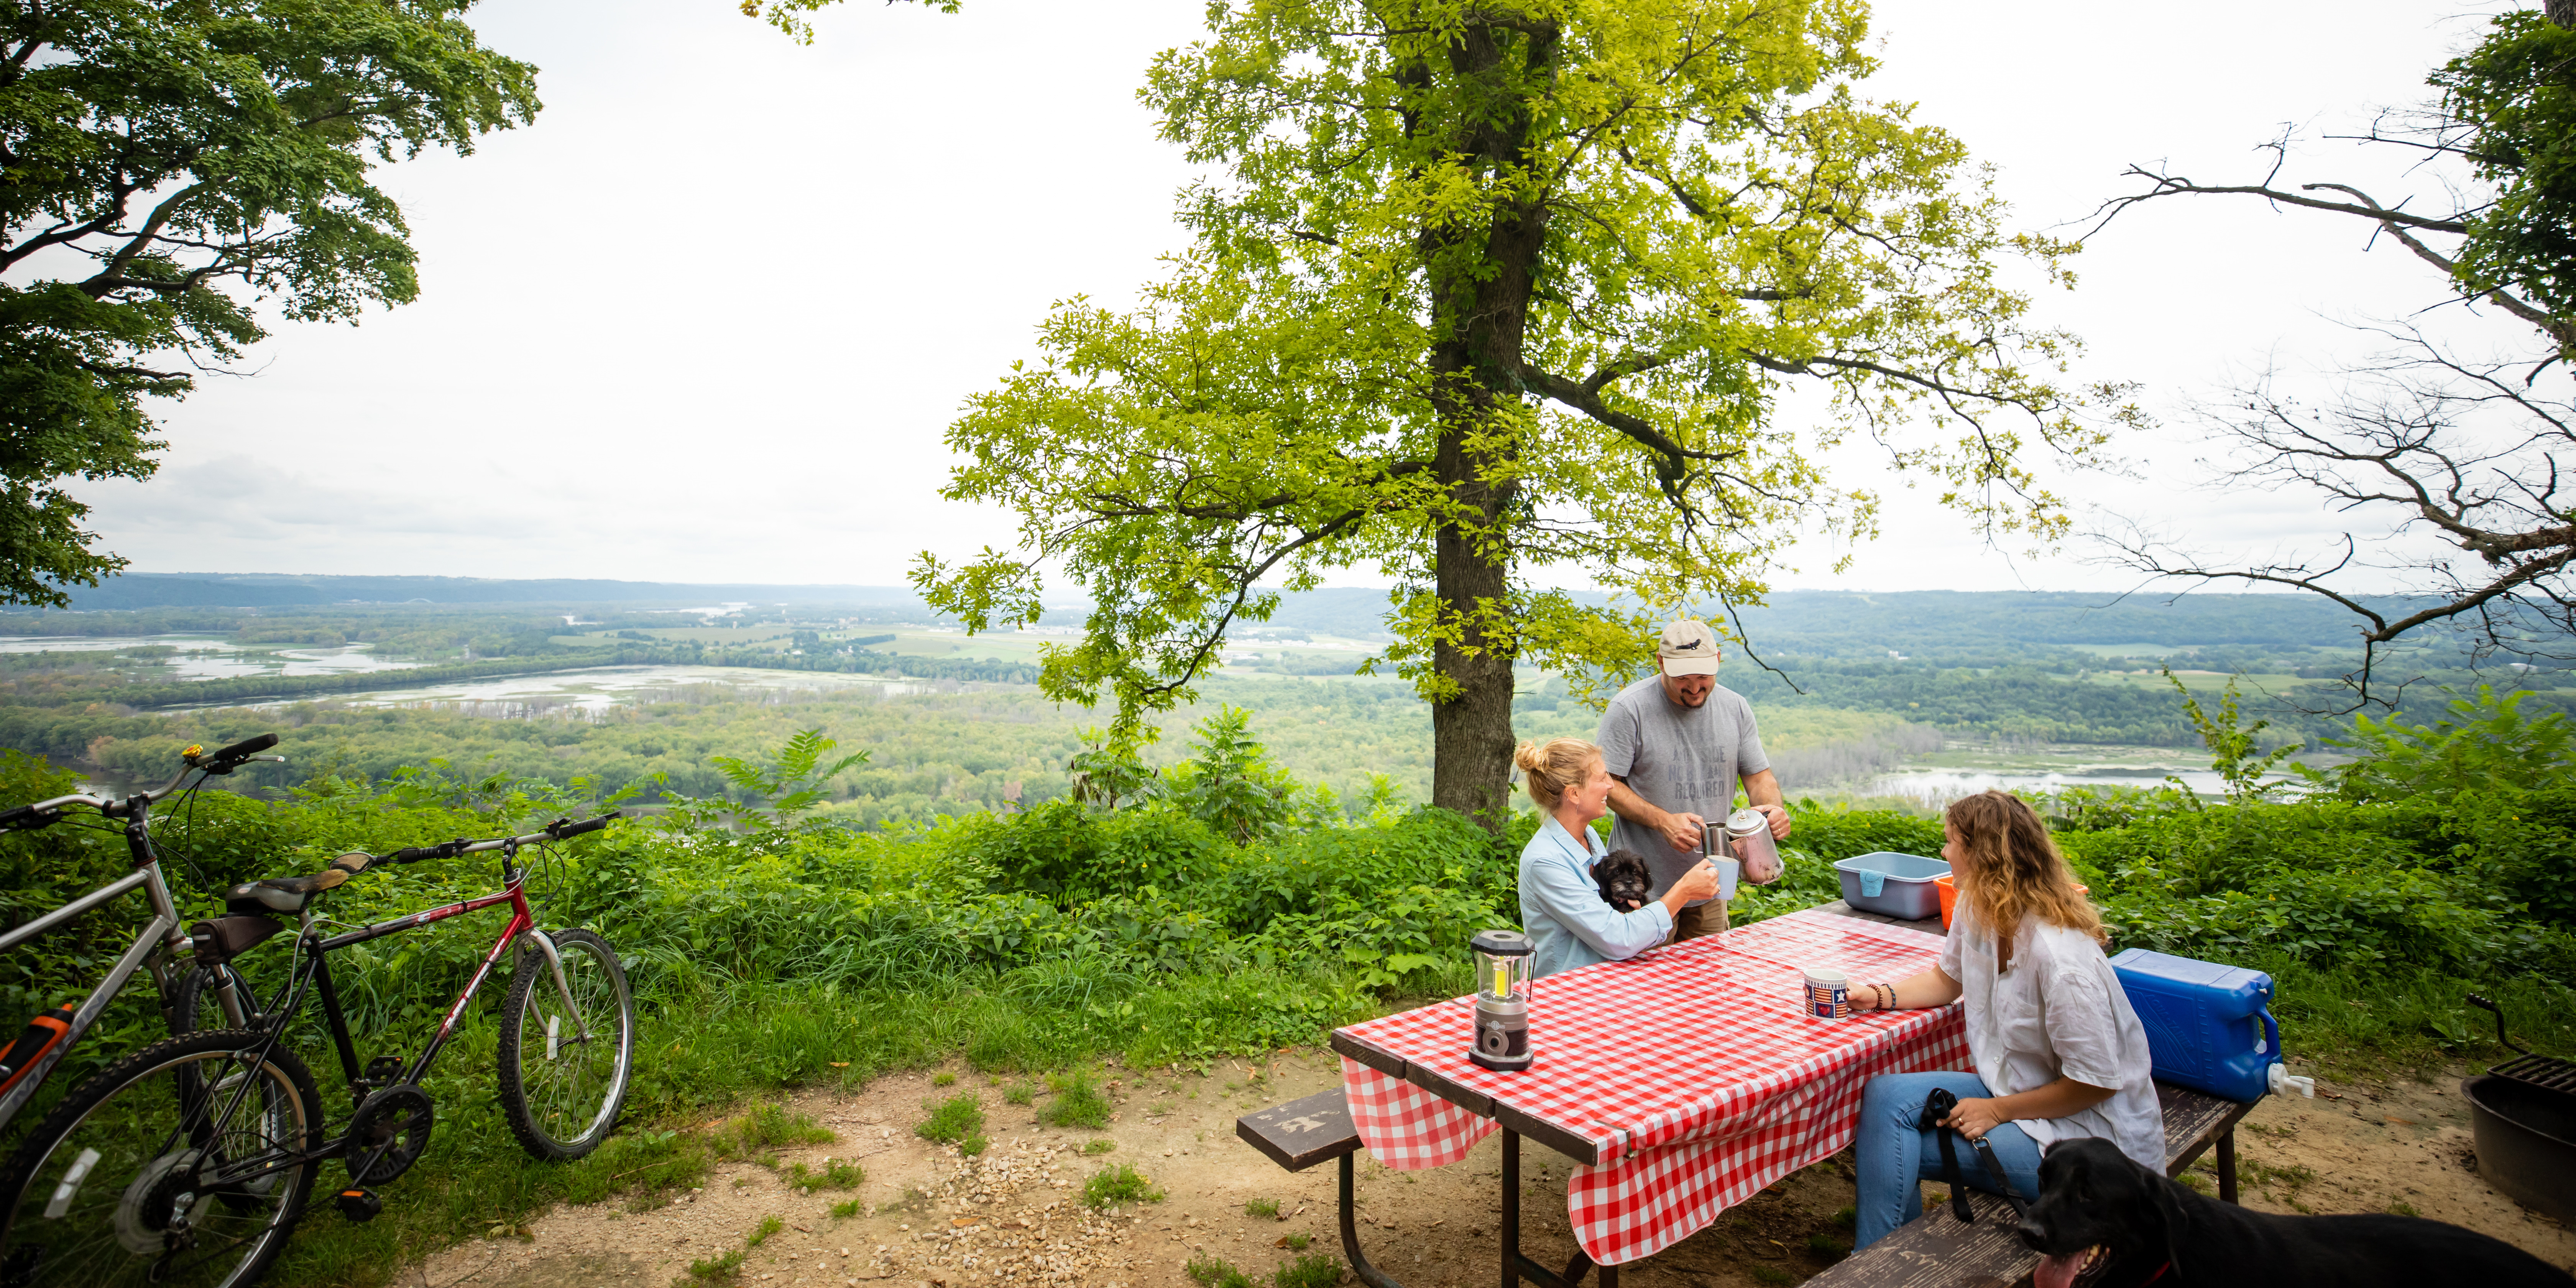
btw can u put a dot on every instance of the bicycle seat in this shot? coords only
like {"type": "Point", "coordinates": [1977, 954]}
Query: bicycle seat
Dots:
{"type": "Point", "coordinates": [291, 894]}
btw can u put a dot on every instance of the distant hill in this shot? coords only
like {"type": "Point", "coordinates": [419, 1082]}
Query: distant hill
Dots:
{"type": "Point", "coordinates": [271, 590]}
{"type": "Point", "coordinates": [1813, 623]}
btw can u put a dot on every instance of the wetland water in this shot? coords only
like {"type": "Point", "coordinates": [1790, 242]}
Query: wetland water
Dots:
{"type": "Point", "coordinates": [203, 657]}
{"type": "Point", "coordinates": [604, 687]}
{"type": "Point", "coordinates": [1964, 768]}
{"type": "Point", "coordinates": [200, 657]}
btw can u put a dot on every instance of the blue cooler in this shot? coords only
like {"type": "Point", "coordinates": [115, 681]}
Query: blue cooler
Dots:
{"type": "Point", "coordinates": [2209, 1026]}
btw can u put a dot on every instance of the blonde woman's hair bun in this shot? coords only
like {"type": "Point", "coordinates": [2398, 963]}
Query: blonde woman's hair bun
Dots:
{"type": "Point", "coordinates": [1550, 767]}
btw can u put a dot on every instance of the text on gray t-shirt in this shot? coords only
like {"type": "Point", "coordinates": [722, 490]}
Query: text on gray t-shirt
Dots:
{"type": "Point", "coordinates": [1682, 760]}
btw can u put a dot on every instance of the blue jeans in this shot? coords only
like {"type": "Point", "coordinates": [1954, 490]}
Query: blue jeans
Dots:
{"type": "Point", "coordinates": [1894, 1152]}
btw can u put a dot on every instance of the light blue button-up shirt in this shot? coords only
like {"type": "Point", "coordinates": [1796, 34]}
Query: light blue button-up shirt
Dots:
{"type": "Point", "coordinates": [1562, 910]}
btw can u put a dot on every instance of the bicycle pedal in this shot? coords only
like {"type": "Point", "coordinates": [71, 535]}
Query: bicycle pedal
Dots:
{"type": "Point", "coordinates": [383, 1071]}
{"type": "Point", "coordinates": [359, 1204]}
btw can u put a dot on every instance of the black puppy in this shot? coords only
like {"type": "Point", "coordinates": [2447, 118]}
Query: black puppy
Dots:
{"type": "Point", "coordinates": [1625, 882]}
{"type": "Point", "coordinates": [2102, 1221]}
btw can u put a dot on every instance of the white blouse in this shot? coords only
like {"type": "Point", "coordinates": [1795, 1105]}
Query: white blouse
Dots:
{"type": "Point", "coordinates": [2059, 1012]}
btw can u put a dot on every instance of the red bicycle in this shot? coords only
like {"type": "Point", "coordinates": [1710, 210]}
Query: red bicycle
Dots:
{"type": "Point", "coordinates": [143, 1173]}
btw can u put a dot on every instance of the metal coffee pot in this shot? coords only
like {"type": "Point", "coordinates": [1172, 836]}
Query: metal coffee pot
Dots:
{"type": "Point", "coordinates": [1748, 837]}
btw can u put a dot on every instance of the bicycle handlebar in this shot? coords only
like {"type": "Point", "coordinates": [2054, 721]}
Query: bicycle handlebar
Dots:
{"type": "Point", "coordinates": [231, 758]}
{"type": "Point", "coordinates": [45, 813]}
{"type": "Point", "coordinates": [562, 829]}
{"type": "Point", "coordinates": [30, 817]}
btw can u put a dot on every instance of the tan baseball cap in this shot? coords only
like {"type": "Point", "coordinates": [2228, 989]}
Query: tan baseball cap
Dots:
{"type": "Point", "coordinates": [1688, 648]}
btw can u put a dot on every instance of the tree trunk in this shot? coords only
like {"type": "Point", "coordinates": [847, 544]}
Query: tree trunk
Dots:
{"type": "Point", "coordinates": [1482, 316]}
{"type": "Point", "coordinates": [1471, 732]}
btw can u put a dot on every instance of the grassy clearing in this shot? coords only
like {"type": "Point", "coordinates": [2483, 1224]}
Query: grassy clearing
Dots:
{"type": "Point", "coordinates": [836, 1175]}
{"type": "Point", "coordinates": [1077, 1102]}
{"type": "Point", "coordinates": [953, 1120]}
{"type": "Point", "coordinates": [1114, 1186]}
{"type": "Point", "coordinates": [728, 1266]}
{"type": "Point", "coordinates": [1312, 1271]}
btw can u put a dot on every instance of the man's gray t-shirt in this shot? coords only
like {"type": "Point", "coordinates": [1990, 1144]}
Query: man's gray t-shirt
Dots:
{"type": "Point", "coordinates": [1682, 760]}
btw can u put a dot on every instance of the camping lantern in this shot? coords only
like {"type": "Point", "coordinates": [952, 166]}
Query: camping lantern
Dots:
{"type": "Point", "coordinates": [1502, 999]}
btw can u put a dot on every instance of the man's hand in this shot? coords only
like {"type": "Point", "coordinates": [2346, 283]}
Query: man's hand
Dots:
{"type": "Point", "coordinates": [1975, 1116]}
{"type": "Point", "coordinates": [1683, 831]}
{"type": "Point", "coordinates": [1779, 817]}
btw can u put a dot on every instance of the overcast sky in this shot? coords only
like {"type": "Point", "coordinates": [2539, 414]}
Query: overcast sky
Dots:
{"type": "Point", "coordinates": [707, 318]}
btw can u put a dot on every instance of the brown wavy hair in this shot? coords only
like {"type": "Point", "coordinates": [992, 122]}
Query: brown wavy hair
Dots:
{"type": "Point", "coordinates": [1554, 765]}
{"type": "Point", "coordinates": [2013, 869]}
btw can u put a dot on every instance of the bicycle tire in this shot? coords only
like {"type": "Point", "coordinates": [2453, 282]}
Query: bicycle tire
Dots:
{"type": "Point", "coordinates": [197, 1009]}
{"type": "Point", "coordinates": [562, 1095]}
{"type": "Point", "coordinates": [104, 1191]}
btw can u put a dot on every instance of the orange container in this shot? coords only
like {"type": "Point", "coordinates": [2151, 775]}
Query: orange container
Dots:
{"type": "Point", "coordinates": [1950, 896]}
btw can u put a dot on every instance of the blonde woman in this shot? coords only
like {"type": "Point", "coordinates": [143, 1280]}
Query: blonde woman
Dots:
{"type": "Point", "coordinates": [2059, 1055]}
{"type": "Point", "coordinates": [1561, 907]}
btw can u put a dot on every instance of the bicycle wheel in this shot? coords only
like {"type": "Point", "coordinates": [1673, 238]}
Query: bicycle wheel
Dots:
{"type": "Point", "coordinates": [139, 1176]}
{"type": "Point", "coordinates": [561, 1090]}
{"type": "Point", "coordinates": [200, 1006]}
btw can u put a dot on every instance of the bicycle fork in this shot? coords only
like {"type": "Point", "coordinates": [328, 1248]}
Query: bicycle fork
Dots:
{"type": "Point", "coordinates": [563, 989]}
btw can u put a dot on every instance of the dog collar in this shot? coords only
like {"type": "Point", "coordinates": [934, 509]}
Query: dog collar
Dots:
{"type": "Point", "coordinates": [2159, 1274]}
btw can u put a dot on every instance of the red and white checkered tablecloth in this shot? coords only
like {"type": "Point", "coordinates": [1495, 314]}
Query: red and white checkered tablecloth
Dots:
{"type": "Point", "coordinates": [1693, 1069]}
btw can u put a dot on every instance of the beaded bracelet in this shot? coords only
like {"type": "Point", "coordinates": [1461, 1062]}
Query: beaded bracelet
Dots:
{"type": "Point", "coordinates": [1886, 996]}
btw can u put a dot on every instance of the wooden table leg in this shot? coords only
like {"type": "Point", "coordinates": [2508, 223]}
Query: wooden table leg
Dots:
{"type": "Point", "coordinates": [1370, 1275]}
{"type": "Point", "coordinates": [2227, 1165]}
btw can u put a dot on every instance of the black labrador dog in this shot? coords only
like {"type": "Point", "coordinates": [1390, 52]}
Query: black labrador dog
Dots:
{"type": "Point", "coordinates": [2102, 1221]}
{"type": "Point", "coordinates": [1625, 882]}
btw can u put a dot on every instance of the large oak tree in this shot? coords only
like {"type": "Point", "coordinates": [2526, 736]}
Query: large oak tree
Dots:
{"type": "Point", "coordinates": [170, 170]}
{"type": "Point", "coordinates": [1482, 290]}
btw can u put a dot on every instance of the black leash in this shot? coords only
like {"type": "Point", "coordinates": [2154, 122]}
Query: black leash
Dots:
{"type": "Point", "coordinates": [1937, 1109]}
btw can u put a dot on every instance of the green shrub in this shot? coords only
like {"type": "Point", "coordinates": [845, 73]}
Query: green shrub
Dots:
{"type": "Point", "coordinates": [1266, 1209]}
{"type": "Point", "coordinates": [2483, 744]}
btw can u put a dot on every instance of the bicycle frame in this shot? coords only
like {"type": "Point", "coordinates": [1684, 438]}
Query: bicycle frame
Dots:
{"type": "Point", "coordinates": [159, 942]}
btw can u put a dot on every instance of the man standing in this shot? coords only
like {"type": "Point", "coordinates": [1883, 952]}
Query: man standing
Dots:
{"type": "Point", "coordinates": [1677, 744]}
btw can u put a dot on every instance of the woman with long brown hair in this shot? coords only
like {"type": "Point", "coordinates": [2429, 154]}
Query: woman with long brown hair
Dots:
{"type": "Point", "coordinates": [2058, 1052]}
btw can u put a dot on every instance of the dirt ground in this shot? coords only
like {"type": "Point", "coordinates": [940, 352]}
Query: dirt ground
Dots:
{"type": "Point", "coordinates": [1014, 1215]}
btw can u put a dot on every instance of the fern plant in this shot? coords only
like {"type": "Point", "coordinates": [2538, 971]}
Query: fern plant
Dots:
{"type": "Point", "coordinates": [793, 780]}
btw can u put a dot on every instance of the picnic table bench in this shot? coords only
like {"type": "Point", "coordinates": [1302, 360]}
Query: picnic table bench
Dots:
{"type": "Point", "coordinates": [1934, 1251]}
